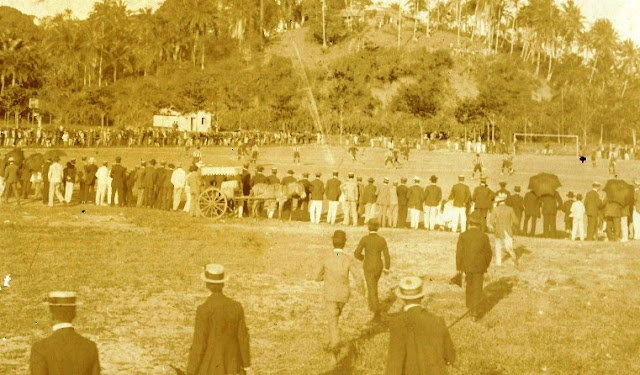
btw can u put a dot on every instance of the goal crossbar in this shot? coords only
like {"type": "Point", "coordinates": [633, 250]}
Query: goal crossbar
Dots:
{"type": "Point", "coordinates": [525, 135]}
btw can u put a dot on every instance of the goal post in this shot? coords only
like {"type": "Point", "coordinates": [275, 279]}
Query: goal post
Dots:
{"type": "Point", "coordinates": [556, 136]}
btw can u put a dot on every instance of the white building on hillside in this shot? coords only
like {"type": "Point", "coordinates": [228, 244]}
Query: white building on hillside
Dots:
{"type": "Point", "coordinates": [191, 122]}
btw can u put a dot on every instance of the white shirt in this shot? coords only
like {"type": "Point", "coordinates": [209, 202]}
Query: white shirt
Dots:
{"type": "Point", "coordinates": [55, 173]}
{"type": "Point", "coordinates": [102, 174]}
{"type": "Point", "coordinates": [407, 307]}
{"type": "Point", "coordinates": [179, 178]}
{"type": "Point", "coordinates": [577, 209]}
{"type": "Point", "coordinates": [61, 326]}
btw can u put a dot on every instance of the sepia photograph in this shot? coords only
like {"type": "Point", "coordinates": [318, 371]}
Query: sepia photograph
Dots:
{"type": "Point", "coordinates": [319, 187]}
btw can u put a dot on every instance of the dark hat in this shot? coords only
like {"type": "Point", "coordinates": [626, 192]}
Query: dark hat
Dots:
{"type": "Point", "coordinates": [56, 158]}
{"type": "Point", "coordinates": [403, 180]}
{"type": "Point", "coordinates": [370, 179]}
{"type": "Point", "coordinates": [359, 178]}
{"type": "Point", "coordinates": [290, 171]}
{"type": "Point", "coordinates": [335, 173]}
{"type": "Point", "coordinates": [516, 189]}
{"type": "Point", "coordinates": [260, 168]}
{"type": "Point", "coordinates": [153, 162]}
{"type": "Point", "coordinates": [340, 235]}
{"type": "Point", "coordinates": [214, 274]}
{"type": "Point", "coordinates": [351, 174]}
{"type": "Point", "coordinates": [163, 163]}
{"type": "Point", "coordinates": [118, 159]}
{"type": "Point", "coordinates": [305, 174]}
{"type": "Point", "coordinates": [373, 225]}
{"type": "Point", "coordinates": [171, 166]}
{"type": "Point", "coordinates": [570, 194]}
{"type": "Point", "coordinates": [433, 178]}
{"type": "Point", "coordinates": [318, 174]}
{"type": "Point", "coordinates": [502, 183]}
{"type": "Point", "coordinates": [579, 197]}
{"type": "Point", "coordinates": [245, 165]}
{"type": "Point", "coordinates": [474, 218]}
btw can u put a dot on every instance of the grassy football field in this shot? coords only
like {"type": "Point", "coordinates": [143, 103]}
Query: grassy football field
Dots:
{"type": "Point", "coordinates": [570, 308]}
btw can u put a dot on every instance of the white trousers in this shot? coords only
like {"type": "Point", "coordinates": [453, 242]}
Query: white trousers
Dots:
{"type": "Point", "coordinates": [315, 211]}
{"type": "Point", "coordinates": [636, 225]}
{"type": "Point", "coordinates": [414, 216]}
{"type": "Point", "coordinates": [1, 185]}
{"type": "Point", "coordinates": [507, 243]}
{"type": "Point", "coordinates": [68, 191]}
{"type": "Point", "coordinates": [459, 216]}
{"type": "Point", "coordinates": [101, 194]}
{"type": "Point", "coordinates": [177, 197]}
{"type": "Point", "coordinates": [54, 189]}
{"type": "Point", "coordinates": [369, 212]}
{"type": "Point", "coordinates": [332, 212]}
{"type": "Point", "coordinates": [350, 210]}
{"type": "Point", "coordinates": [430, 217]}
{"type": "Point", "coordinates": [578, 228]}
{"type": "Point", "coordinates": [624, 226]}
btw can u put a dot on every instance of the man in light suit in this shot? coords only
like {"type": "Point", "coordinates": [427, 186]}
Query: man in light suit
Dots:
{"type": "Point", "coordinates": [419, 341]}
{"type": "Point", "coordinates": [64, 352]}
{"type": "Point", "coordinates": [335, 270]}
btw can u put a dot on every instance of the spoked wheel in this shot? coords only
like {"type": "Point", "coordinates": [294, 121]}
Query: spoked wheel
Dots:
{"type": "Point", "coordinates": [213, 203]}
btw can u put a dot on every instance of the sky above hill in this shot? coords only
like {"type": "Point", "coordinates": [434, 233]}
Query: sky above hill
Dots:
{"type": "Point", "coordinates": [625, 14]}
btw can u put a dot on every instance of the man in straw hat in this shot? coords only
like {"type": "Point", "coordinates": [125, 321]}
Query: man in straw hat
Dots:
{"type": "Point", "coordinates": [11, 181]}
{"type": "Point", "coordinates": [334, 271]}
{"type": "Point", "coordinates": [220, 338]}
{"type": "Point", "coordinates": [350, 206]}
{"type": "Point", "coordinates": [374, 247]}
{"type": "Point", "coordinates": [383, 201]}
{"type": "Point", "coordinates": [64, 351]}
{"type": "Point", "coordinates": [369, 197]}
{"type": "Point", "coordinates": [419, 341]}
{"type": "Point", "coordinates": [473, 257]}
{"type": "Point", "coordinates": [501, 221]}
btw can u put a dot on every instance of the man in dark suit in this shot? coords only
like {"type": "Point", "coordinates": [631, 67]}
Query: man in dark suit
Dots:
{"type": "Point", "coordinates": [473, 257]}
{"type": "Point", "coordinates": [11, 181]}
{"type": "Point", "coordinates": [483, 201]}
{"type": "Point", "coordinates": [516, 202]}
{"type": "Point", "coordinates": [402, 191]}
{"type": "Point", "coordinates": [374, 247]}
{"type": "Point", "coordinates": [461, 196]}
{"type": "Point", "coordinates": [259, 177]}
{"type": "Point", "coordinates": [370, 196]}
{"type": "Point", "coordinates": [90, 170]}
{"type": "Point", "coordinates": [273, 177]}
{"type": "Point", "coordinates": [612, 212]}
{"type": "Point", "coordinates": [303, 204]}
{"type": "Point", "coordinates": [415, 201]}
{"type": "Point", "coordinates": [503, 189]}
{"type": "Point", "coordinates": [332, 193]}
{"type": "Point", "coordinates": [592, 206]}
{"type": "Point", "coordinates": [167, 188]}
{"type": "Point", "coordinates": [245, 178]}
{"type": "Point", "coordinates": [45, 180]}
{"type": "Point", "coordinates": [419, 341]}
{"type": "Point", "coordinates": [64, 352]}
{"type": "Point", "coordinates": [550, 206]}
{"type": "Point", "coordinates": [220, 338]}
{"type": "Point", "coordinates": [159, 175]}
{"type": "Point", "coordinates": [316, 197]}
{"type": "Point", "coordinates": [531, 211]}
{"type": "Point", "coordinates": [118, 174]}
{"type": "Point", "coordinates": [148, 183]}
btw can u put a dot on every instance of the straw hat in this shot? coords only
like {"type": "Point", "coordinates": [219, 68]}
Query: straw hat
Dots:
{"type": "Point", "coordinates": [214, 274]}
{"type": "Point", "coordinates": [62, 298]}
{"type": "Point", "coordinates": [410, 288]}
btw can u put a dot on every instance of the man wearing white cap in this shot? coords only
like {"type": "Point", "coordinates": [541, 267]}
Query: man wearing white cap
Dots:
{"type": "Point", "coordinates": [102, 178]}
{"type": "Point", "coordinates": [220, 338]}
{"type": "Point", "coordinates": [64, 351]}
{"type": "Point", "coordinates": [350, 196]}
{"type": "Point", "coordinates": [419, 341]}
{"type": "Point", "coordinates": [501, 220]}
{"type": "Point", "coordinates": [383, 201]}
{"type": "Point", "coordinates": [636, 210]}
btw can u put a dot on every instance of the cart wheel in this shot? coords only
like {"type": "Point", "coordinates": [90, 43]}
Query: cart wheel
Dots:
{"type": "Point", "coordinates": [213, 203]}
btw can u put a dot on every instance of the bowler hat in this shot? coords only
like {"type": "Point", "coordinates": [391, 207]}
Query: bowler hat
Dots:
{"type": "Point", "coordinates": [570, 194]}
{"type": "Point", "coordinates": [370, 179]}
{"type": "Point", "coordinates": [260, 168]}
{"type": "Point", "coordinates": [351, 174]}
{"type": "Point", "coordinates": [318, 174]}
{"type": "Point", "coordinates": [62, 298]}
{"type": "Point", "coordinates": [118, 159]}
{"type": "Point", "coordinates": [305, 174]}
{"type": "Point", "coordinates": [373, 225]}
{"type": "Point", "coordinates": [335, 173]}
{"type": "Point", "coordinates": [340, 235]}
{"type": "Point", "coordinates": [516, 189]}
{"type": "Point", "coordinates": [433, 178]}
{"type": "Point", "coordinates": [214, 274]}
{"type": "Point", "coordinates": [474, 218]}
{"type": "Point", "coordinates": [502, 183]}
{"type": "Point", "coordinates": [579, 197]}
{"type": "Point", "coordinates": [410, 288]}
{"type": "Point", "coordinates": [358, 178]}
{"type": "Point", "coordinates": [403, 180]}
{"type": "Point", "coordinates": [290, 171]}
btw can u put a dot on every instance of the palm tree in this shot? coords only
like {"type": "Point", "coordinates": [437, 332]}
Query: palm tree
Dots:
{"type": "Point", "coordinates": [629, 62]}
{"type": "Point", "coordinates": [602, 41]}
{"type": "Point", "coordinates": [572, 24]}
{"type": "Point", "coordinates": [199, 22]}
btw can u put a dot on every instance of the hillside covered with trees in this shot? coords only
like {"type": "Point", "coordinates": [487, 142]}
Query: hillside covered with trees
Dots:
{"type": "Point", "coordinates": [276, 65]}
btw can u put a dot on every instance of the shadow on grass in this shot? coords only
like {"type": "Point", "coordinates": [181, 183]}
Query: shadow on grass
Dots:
{"type": "Point", "coordinates": [520, 251]}
{"type": "Point", "coordinates": [495, 292]}
{"type": "Point", "coordinates": [344, 366]}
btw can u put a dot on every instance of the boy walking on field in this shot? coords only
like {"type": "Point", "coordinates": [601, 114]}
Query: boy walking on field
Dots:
{"type": "Point", "coordinates": [477, 166]}
{"type": "Point", "coordinates": [577, 213]}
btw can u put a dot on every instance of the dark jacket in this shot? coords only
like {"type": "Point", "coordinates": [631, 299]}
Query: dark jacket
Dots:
{"type": "Point", "coordinates": [259, 178]}
{"type": "Point", "coordinates": [419, 344]}
{"type": "Point", "coordinates": [273, 179]}
{"type": "Point", "coordinates": [220, 338]}
{"type": "Point", "coordinates": [149, 174]}
{"type": "Point", "coordinates": [611, 209]}
{"type": "Point", "coordinates": [592, 203]}
{"type": "Point", "coordinates": [374, 247]}
{"type": "Point", "coordinates": [89, 174]}
{"type": "Point", "coordinates": [307, 188]}
{"type": "Point", "coordinates": [65, 352]}
{"type": "Point", "coordinates": [415, 197]}
{"type": "Point", "coordinates": [483, 197]}
{"type": "Point", "coordinates": [333, 189]}
{"type": "Point", "coordinates": [246, 182]}
{"type": "Point", "coordinates": [531, 204]}
{"type": "Point", "coordinates": [460, 194]}
{"type": "Point", "coordinates": [370, 194]}
{"type": "Point", "coordinates": [516, 202]}
{"type": "Point", "coordinates": [402, 191]}
{"type": "Point", "coordinates": [473, 254]}
{"type": "Point", "coordinates": [11, 174]}
{"type": "Point", "coordinates": [551, 204]}
{"type": "Point", "coordinates": [118, 173]}
{"type": "Point", "coordinates": [317, 190]}
{"type": "Point", "coordinates": [432, 195]}
{"type": "Point", "coordinates": [45, 172]}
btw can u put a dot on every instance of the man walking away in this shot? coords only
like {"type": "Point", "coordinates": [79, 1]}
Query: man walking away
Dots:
{"type": "Point", "coordinates": [220, 338]}
{"type": "Point", "coordinates": [419, 341]}
{"type": "Point", "coordinates": [531, 212]}
{"type": "Point", "coordinates": [577, 214]}
{"type": "Point", "coordinates": [335, 270]}
{"type": "Point", "coordinates": [473, 257]}
{"type": "Point", "coordinates": [483, 202]}
{"type": "Point", "coordinates": [374, 247]}
{"type": "Point", "coordinates": [55, 181]}
{"type": "Point", "coordinates": [501, 221]}
{"type": "Point", "coordinates": [64, 351]}
{"type": "Point", "coordinates": [415, 200]}
{"type": "Point", "coordinates": [402, 191]}
{"type": "Point", "coordinates": [432, 199]}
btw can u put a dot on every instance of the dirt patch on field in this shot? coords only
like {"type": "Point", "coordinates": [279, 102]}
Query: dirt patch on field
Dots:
{"type": "Point", "coordinates": [106, 222]}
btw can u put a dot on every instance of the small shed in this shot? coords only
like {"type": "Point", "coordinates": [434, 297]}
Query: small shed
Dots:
{"type": "Point", "coordinates": [199, 122]}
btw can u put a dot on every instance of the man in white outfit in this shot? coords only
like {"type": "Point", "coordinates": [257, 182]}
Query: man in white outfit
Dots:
{"type": "Point", "coordinates": [577, 215]}
{"type": "Point", "coordinates": [55, 181]}
{"type": "Point", "coordinates": [178, 180]}
{"type": "Point", "coordinates": [102, 182]}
